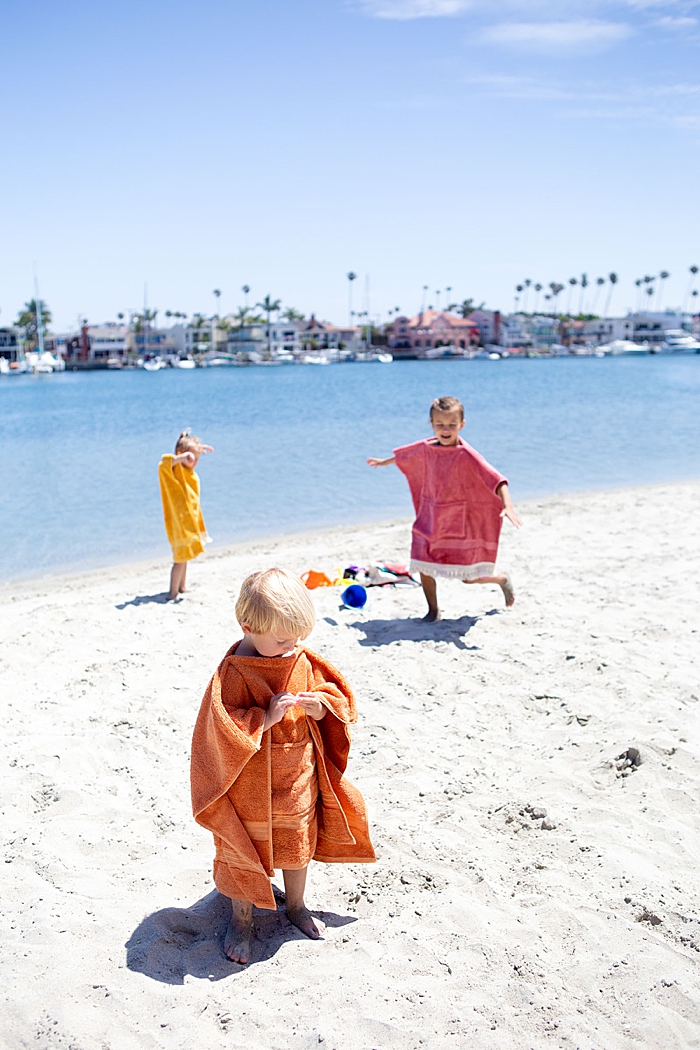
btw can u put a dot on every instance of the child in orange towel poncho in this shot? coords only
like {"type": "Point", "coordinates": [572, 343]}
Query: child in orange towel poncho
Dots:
{"type": "Point", "coordinates": [179, 491]}
{"type": "Point", "coordinates": [460, 502]}
{"type": "Point", "coordinates": [269, 752]}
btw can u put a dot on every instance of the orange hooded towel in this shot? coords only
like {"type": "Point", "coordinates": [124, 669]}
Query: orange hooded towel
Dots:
{"type": "Point", "coordinates": [276, 799]}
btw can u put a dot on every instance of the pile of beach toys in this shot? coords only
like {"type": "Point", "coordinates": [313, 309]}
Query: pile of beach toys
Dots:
{"type": "Point", "coordinates": [355, 579]}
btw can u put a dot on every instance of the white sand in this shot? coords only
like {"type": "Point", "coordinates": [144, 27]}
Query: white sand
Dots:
{"type": "Point", "coordinates": [477, 927]}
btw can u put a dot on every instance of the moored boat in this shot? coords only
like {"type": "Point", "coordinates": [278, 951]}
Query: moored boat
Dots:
{"type": "Point", "coordinates": [679, 342]}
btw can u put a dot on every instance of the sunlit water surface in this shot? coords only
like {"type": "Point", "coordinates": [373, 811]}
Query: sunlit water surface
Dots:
{"type": "Point", "coordinates": [81, 450]}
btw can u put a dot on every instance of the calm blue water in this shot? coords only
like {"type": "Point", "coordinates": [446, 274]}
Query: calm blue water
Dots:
{"type": "Point", "coordinates": [80, 451]}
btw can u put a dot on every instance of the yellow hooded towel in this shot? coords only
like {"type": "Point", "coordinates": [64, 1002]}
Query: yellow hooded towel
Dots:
{"type": "Point", "coordinates": [184, 524]}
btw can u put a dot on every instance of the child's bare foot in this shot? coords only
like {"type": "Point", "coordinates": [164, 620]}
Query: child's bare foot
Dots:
{"type": "Point", "coordinates": [506, 585]}
{"type": "Point", "coordinates": [431, 616]}
{"type": "Point", "coordinates": [173, 597]}
{"type": "Point", "coordinates": [237, 940]}
{"type": "Point", "coordinates": [303, 920]}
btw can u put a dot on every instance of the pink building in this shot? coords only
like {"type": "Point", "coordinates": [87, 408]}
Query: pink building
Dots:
{"type": "Point", "coordinates": [428, 330]}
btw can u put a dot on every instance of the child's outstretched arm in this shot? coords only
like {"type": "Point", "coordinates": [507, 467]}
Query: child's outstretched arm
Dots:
{"type": "Point", "coordinates": [381, 462]}
{"type": "Point", "coordinates": [508, 508]}
{"type": "Point", "coordinates": [189, 458]}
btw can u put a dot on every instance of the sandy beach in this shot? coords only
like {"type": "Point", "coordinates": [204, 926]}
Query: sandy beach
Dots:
{"type": "Point", "coordinates": [535, 886]}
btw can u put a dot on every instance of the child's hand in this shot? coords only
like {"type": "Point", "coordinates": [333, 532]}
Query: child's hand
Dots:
{"type": "Point", "coordinates": [206, 448]}
{"type": "Point", "coordinates": [188, 458]}
{"type": "Point", "coordinates": [279, 705]}
{"type": "Point", "coordinates": [311, 705]}
{"type": "Point", "coordinates": [509, 512]}
{"type": "Point", "coordinates": [381, 462]}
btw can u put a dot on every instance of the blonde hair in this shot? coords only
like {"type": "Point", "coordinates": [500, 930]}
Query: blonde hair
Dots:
{"type": "Point", "coordinates": [275, 599]}
{"type": "Point", "coordinates": [187, 442]}
{"type": "Point", "coordinates": [446, 404]}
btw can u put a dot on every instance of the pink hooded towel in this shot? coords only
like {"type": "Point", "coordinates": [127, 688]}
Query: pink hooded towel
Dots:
{"type": "Point", "coordinates": [458, 511]}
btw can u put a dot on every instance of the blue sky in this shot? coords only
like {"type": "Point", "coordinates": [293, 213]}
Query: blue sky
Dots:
{"type": "Point", "coordinates": [454, 143]}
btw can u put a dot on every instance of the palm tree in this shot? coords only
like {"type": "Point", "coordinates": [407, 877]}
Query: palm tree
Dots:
{"type": "Point", "coordinates": [538, 289]}
{"type": "Point", "coordinates": [572, 282]}
{"type": "Point", "coordinates": [612, 277]}
{"type": "Point", "coordinates": [242, 316]}
{"type": "Point", "coordinates": [693, 270]}
{"type": "Point", "coordinates": [290, 314]}
{"type": "Point", "coordinates": [34, 316]}
{"type": "Point", "coordinates": [600, 281]}
{"type": "Point", "coordinates": [465, 308]}
{"type": "Point", "coordinates": [245, 289]}
{"type": "Point", "coordinates": [270, 306]}
{"type": "Point", "coordinates": [663, 277]}
{"type": "Point", "coordinates": [556, 290]}
{"type": "Point", "coordinates": [584, 284]}
{"type": "Point", "coordinates": [352, 276]}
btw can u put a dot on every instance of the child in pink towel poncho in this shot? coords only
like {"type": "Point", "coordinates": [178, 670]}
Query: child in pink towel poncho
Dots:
{"type": "Point", "coordinates": [460, 503]}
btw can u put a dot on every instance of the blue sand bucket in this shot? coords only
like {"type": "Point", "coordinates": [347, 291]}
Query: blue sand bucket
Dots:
{"type": "Point", "coordinates": [354, 596]}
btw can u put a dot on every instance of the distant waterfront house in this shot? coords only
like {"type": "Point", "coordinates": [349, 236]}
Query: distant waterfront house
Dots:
{"type": "Point", "coordinates": [326, 336]}
{"type": "Point", "coordinates": [411, 337]}
{"type": "Point", "coordinates": [107, 341]}
{"type": "Point", "coordinates": [543, 331]}
{"type": "Point", "coordinates": [247, 340]}
{"type": "Point", "coordinates": [9, 343]}
{"type": "Point", "coordinates": [94, 343]}
{"type": "Point", "coordinates": [284, 338]}
{"type": "Point", "coordinates": [511, 332]}
{"type": "Point", "coordinates": [489, 322]}
{"type": "Point", "coordinates": [642, 327]}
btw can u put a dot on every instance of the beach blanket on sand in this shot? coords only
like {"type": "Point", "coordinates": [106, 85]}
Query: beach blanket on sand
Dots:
{"type": "Point", "coordinates": [458, 512]}
{"type": "Point", "coordinates": [184, 524]}
{"type": "Point", "coordinates": [275, 799]}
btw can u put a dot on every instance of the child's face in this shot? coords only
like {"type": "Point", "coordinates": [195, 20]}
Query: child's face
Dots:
{"type": "Point", "coordinates": [447, 426]}
{"type": "Point", "coordinates": [272, 643]}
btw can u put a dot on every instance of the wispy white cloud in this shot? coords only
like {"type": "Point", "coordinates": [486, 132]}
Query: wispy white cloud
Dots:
{"type": "Point", "coordinates": [584, 34]}
{"type": "Point", "coordinates": [669, 22]}
{"type": "Point", "coordinates": [403, 10]}
{"type": "Point", "coordinates": [676, 104]}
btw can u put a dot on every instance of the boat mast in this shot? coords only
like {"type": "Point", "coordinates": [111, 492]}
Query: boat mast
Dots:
{"type": "Point", "coordinates": [145, 320]}
{"type": "Point", "coordinates": [39, 318]}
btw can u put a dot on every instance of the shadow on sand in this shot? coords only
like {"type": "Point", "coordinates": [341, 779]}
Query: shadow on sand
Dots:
{"type": "Point", "coordinates": [174, 942]}
{"type": "Point", "coordinates": [384, 632]}
{"type": "Point", "coordinates": [145, 599]}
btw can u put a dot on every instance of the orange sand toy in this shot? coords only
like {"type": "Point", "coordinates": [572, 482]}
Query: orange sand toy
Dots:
{"type": "Point", "coordinates": [313, 579]}
{"type": "Point", "coordinates": [275, 799]}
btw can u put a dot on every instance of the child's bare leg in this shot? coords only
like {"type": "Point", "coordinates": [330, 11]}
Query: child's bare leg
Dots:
{"type": "Point", "coordinates": [430, 591]}
{"type": "Point", "coordinates": [297, 912]}
{"type": "Point", "coordinates": [237, 939]}
{"type": "Point", "coordinates": [504, 582]}
{"type": "Point", "coordinates": [177, 575]}
{"type": "Point", "coordinates": [182, 588]}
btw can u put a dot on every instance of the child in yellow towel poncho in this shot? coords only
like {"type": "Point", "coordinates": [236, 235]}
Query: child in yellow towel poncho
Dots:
{"type": "Point", "coordinates": [179, 490]}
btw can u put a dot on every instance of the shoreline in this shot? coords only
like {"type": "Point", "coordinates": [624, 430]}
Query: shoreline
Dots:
{"type": "Point", "coordinates": [239, 547]}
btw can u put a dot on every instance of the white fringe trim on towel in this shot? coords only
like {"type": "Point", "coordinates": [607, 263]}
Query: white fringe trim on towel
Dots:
{"type": "Point", "coordinates": [455, 572]}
